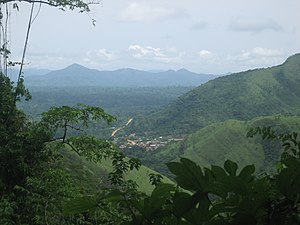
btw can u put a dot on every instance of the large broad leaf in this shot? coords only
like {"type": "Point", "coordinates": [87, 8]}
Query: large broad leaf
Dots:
{"type": "Point", "coordinates": [289, 178]}
{"type": "Point", "coordinates": [114, 196]}
{"type": "Point", "coordinates": [162, 190]}
{"type": "Point", "coordinates": [188, 175]}
{"type": "Point", "coordinates": [230, 167]}
{"type": "Point", "coordinates": [80, 205]}
{"type": "Point", "coordinates": [246, 173]}
{"type": "Point", "coordinates": [221, 178]}
{"type": "Point", "coordinates": [152, 207]}
{"type": "Point", "coordinates": [218, 172]}
{"type": "Point", "coordinates": [201, 214]}
{"type": "Point", "coordinates": [183, 202]}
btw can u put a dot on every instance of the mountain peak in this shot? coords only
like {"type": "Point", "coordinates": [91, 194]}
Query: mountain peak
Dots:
{"type": "Point", "coordinates": [76, 66]}
{"type": "Point", "coordinates": [183, 70]}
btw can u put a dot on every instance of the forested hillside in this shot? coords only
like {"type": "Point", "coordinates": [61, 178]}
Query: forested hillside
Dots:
{"type": "Point", "coordinates": [244, 96]}
{"type": "Point", "coordinates": [122, 102]}
{"type": "Point", "coordinates": [226, 140]}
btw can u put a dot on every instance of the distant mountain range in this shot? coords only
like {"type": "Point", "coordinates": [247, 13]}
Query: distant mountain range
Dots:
{"type": "Point", "coordinates": [242, 96]}
{"type": "Point", "coordinates": [77, 75]}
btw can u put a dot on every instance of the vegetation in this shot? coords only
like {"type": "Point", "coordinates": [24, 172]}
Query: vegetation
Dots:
{"type": "Point", "coordinates": [94, 176]}
{"type": "Point", "coordinates": [241, 96]}
{"type": "Point", "coordinates": [125, 103]}
{"type": "Point", "coordinates": [37, 189]}
{"type": "Point", "coordinates": [213, 195]}
{"type": "Point", "coordinates": [53, 172]}
{"type": "Point", "coordinates": [226, 140]}
{"type": "Point", "coordinates": [33, 181]}
{"type": "Point", "coordinates": [40, 185]}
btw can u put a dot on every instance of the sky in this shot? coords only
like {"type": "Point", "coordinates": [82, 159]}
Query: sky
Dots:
{"type": "Point", "coordinates": [204, 36]}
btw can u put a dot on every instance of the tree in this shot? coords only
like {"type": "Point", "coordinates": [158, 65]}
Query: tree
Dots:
{"type": "Point", "coordinates": [33, 185]}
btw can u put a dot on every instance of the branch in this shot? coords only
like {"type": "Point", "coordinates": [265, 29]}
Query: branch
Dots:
{"type": "Point", "coordinates": [72, 147]}
{"type": "Point", "coordinates": [56, 3]}
{"type": "Point", "coordinates": [31, 1]}
{"type": "Point", "coordinates": [128, 206]}
{"type": "Point", "coordinates": [75, 128]}
{"type": "Point", "coordinates": [65, 131]}
{"type": "Point", "coordinates": [65, 142]}
{"type": "Point", "coordinates": [25, 46]}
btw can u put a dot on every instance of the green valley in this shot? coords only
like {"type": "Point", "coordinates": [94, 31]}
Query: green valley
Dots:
{"type": "Point", "coordinates": [93, 177]}
{"type": "Point", "coordinates": [226, 140]}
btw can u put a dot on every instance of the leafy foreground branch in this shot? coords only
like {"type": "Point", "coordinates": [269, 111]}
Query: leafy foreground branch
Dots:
{"type": "Point", "coordinates": [212, 195]}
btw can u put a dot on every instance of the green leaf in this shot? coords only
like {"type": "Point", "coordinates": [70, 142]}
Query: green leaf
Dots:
{"type": "Point", "coordinates": [184, 202]}
{"type": "Point", "coordinates": [218, 172]}
{"type": "Point", "coordinates": [201, 214]}
{"type": "Point", "coordinates": [230, 167]}
{"type": "Point", "coordinates": [289, 178]}
{"type": "Point", "coordinates": [246, 173]}
{"type": "Point", "coordinates": [162, 190]}
{"type": "Point", "coordinates": [80, 205]}
{"type": "Point", "coordinates": [188, 175]}
{"type": "Point", "coordinates": [113, 196]}
{"type": "Point", "coordinates": [152, 206]}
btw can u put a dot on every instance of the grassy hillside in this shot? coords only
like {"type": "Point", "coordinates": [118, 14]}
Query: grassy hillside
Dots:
{"type": "Point", "coordinates": [227, 140]}
{"type": "Point", "coordinates": [242, 96]}
{"type": "Point", "coordinates": [94, 176]}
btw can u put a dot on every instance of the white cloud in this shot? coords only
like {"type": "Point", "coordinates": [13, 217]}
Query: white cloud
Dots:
{"type": "Point", "coordinates": [139, 51]}
{"type": "Point", "coordinates": [49, 61]}
{"type": "Point", "coordinates": [170, 55]}
{"type": "Point", "coordinates": [101, 54]}
{"type": "Point", "coordinates": [246, 24]}
{"type": "Point", "coordinates": [205, 54]}
{"type": "Point", "coordinates": [265, 52]}
{"type": "Point", "coordinates": [55, 60]}
{"type": "Point", "coordinates": [140, 12]}
{"type": "Point", "coordinates": [258, 57]}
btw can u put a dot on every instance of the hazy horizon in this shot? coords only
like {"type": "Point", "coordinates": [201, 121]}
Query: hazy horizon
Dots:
{"type": "Point", "coordinates": [202, 36]}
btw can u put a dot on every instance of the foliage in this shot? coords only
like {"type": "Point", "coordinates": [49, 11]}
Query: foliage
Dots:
{"type": "Point", "coordinates": [225, 140]}
{"type": "Point", "coordinates": [15, 158]}
{"type": "Point", "coordinates": [215, 195]}
{"type": "Point", "coordinates": [241, 96]}
{"type": "Point", "coordinates": [125, 103]}
{"type": "Point", "coordinates": [62, 4]}
{"type": "Point", "coordinates": [32, 182]}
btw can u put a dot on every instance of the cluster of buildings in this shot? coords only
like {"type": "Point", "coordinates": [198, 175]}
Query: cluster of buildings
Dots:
{"type": "Point", "coordinates": [148, 144]}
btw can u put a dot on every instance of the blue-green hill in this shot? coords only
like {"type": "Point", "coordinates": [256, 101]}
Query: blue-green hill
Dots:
{"type": "Point", "coordinates": [79, 76]}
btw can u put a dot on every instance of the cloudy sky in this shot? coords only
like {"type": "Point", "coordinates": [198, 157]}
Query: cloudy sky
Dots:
{"type": "Point", "coordinates": [205, 36]}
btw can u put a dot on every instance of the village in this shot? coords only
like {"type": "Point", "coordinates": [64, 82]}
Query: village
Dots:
{"type": "Point", "coordinates": [134, 140]}
{"type": "Point", "coordinates": [145, 143]}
